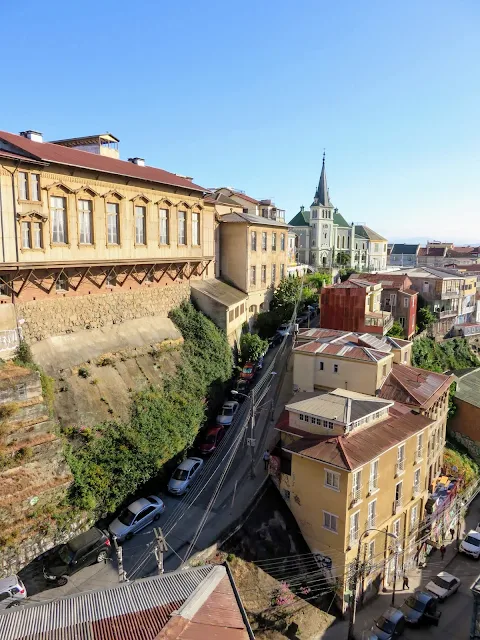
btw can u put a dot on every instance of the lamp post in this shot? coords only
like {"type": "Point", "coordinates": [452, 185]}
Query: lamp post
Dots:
{"type": "Point", "coordinates": [353, 607]}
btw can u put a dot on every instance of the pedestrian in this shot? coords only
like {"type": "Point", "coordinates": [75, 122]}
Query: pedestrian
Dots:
{"type": "Point", "coordinates": [405, 581]}
{"type": "Point", "coordinates": [452, 532]}
{"type": "Point", "coordinates": [442, 551]}
{"type": "Point", "coordinates": [266, 459]}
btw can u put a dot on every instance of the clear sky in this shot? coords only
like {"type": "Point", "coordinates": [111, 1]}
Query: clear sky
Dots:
{"type": "Point", "coordinates": [248, 94]}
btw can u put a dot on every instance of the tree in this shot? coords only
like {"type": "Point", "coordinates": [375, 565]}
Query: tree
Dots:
{"type": "Point", "coordinates": [346, 273]}
{"type": "Point", "coordinates": [309, 295]}
{"type": "Point", "coordinates": [285, 298]}
{"type": "Point", "coordinates": [267, 323]}
{"type": "Point", "coordinates": [425, 318]}
{"type": "Point", "coordinates": [396, 331]}
{"type": "Point", "coordinates": [252, 347]}
{"type": "Point", "coordinates": [343, 259]}
{"type": "Point", "coordinates": [318, 279]}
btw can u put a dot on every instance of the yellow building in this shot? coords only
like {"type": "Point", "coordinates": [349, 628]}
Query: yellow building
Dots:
{"type": "Point", "coordinates": [351, 462]}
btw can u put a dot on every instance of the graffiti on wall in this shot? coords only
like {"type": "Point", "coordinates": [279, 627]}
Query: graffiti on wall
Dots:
{"type": "Point", "coordinates": [8, 340]}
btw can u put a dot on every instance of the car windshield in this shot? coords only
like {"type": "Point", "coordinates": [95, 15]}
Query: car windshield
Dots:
{"type": "Point", "coordinates": [210, 439]}
{"type": "Point", "coordinates": [441, 582]}
{"type": "Point", "coordinates": [247, 369]}
{"type": "Point", "coordinates": [385, 625]}
{"type": "Point", "coordinates": [227, 411]}
{"type": "Point", "coordinates": [473, 541]}
{"type": "Point", "coordinates": [65, 553]}
{"type": "Point", "coordinates": [126, 517]}
{"type": "Point", "coordinates": [180, 474]}
{"type": "Point", "coordinates": [413, 603]}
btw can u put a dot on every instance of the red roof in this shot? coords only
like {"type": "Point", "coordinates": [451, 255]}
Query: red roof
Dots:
{"type": "Point", "coordinates": [342, 350]}
{"type": "Point", "coordinates": [58, 154]}
{"type": "Point", "coordinates": [414, 387]}
{"type": "Point", "coordinates": [432, 251]}
{"type": "Point", "coordinates": [388, 281]}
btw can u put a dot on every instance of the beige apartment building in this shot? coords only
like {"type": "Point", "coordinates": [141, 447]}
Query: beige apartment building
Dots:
{"type": "Point", "coordinates": [352, 462]}
{"type": "Point", "coordinates": [78, 222]}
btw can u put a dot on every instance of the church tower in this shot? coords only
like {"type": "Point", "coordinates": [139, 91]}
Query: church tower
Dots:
{"type": "Point", "coordinates": [321, 223]}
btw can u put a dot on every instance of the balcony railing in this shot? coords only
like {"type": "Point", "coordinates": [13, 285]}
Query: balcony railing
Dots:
{"type": "Point", "coordinates": [399, 467]}
{"type": "Point", "coordinates": [418, 455]}
{"type": "Point", "coordinates": [416, 489]}
{"type": "Point", "coordinates": [353, 537]}
{"type": "Point", "coordinates": [379, 319]}
{"type": "Point", "coordinates": [448, 313]}
{"type": "Point", "coordinates": [371, 522]}
{"type": "Point", "coordinates": [397, 505]}
{"type": "Point", "coordinates": [373, 485]}
{"type": "Point", "coordinates": [448, 295]}
{"type": "Point", "coordinates": [356, 495]}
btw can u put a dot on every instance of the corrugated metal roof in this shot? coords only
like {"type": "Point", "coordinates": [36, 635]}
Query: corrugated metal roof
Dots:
{"type": "Point", "coordinates": [333, 406]}
{"type": "Point", "coordinates": [412, 386]}
{"type": "Point", "coordinates": [138, 610]}
{"type": "Point", "coordinates": [468, 387]}
{"type": "Point", "coordinates": [252, 219]}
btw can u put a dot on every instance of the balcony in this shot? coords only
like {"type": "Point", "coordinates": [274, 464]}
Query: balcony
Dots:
{"type": "Point", "coordinates": [448, 295]}
{"type": "Point", "coordinates": [372, 486]}
{"type": "Point", "coordinates": [447, 313]}
{"type": "Point", "coordinates": [418, 456]}
{"type": "Point", "coordinates": [353, 539]}
{"type": "Point", "coordinates": [371, 522]}
{"type": "Point", "coordinates": [397, 505]}
{"type": "Point", "coordinates": [399, 467]}
{"type": "Point", "coordinates": [382, 319]}
{"type": "Point", "coordinates": [356, 496]}
{"type": "Point", "coordinates": [416, 490]}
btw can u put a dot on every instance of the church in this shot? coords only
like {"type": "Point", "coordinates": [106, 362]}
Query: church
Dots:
{"type": "Point", "coordinates": [326, 240]}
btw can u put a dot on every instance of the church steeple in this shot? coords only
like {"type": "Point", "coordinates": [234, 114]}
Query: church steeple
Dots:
{"type": "Point", "coordinates": [322, 197]}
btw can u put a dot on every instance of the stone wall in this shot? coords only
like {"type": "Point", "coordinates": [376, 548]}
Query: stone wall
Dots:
{"type": "Point", "coordinates": [44, 318]}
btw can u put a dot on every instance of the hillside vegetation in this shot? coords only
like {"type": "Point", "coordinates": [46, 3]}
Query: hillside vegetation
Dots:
{"type": "Point", "coordinates": [443, 356]}
{"type": "Point", "coordinates": [111, 460]}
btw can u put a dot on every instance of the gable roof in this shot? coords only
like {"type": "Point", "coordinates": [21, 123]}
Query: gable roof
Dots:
{"type": "Point", "coordinates": [404, 249]}
{"type": "Point", "coordinates": [58, 154]}
{"type": "Point", "coordinates": [302, 219]}
{"type": "Point", "coordinates": [219, 291]}
{"type": "Point", "coordinates": [339, 220]}
{"type": "Point", "coordinates": [387, 280]}
{"type": "Point", "coordinates": [414, 387]}
{"type": "Point", "coordinates": [432, 251]}
{"type": "Point", "coordinates": [365, 232]}
{"type": "Point", "coordinates": [342, 350]}
{"type": "Point", "coordinates": [334, 405]}
{"type": "Point", "coordinates": [252, 219]}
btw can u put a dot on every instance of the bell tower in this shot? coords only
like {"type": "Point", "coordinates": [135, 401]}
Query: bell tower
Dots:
{"type": "Point", "coordinates": [321, 223]}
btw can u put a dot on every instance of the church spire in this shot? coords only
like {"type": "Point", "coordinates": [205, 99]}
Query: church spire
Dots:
{"type": "Point", "coordinates": [322, 196]}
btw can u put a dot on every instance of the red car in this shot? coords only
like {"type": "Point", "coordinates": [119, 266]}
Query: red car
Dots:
{"type": "Point", "coordinates": [248, 371]}
{"type": "Point", "coordinates": [212, 439]}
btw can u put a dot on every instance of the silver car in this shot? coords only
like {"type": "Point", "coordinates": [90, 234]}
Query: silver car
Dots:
{"type": "Point", "coordinates": [229, 409]}
{"type": "Point", "coordinates": [184, 474]}
{"type": "Point", "coordinates": [12, 592]}
{"type": "Point", "coordinates": [136, 516]}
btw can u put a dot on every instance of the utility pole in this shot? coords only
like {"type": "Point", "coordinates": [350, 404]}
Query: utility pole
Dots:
{"type": "Point", "coordinates": [395, 567]}
{"type": "Point", "coordinates": [122, 576]}
{"type": "Point", "coordinates": [252, 435]}
{"type": "Point", "coordinates": [160, 548]}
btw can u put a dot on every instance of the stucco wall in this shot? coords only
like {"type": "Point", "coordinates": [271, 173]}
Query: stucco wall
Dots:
{"type": "Point", "coordinates": [466, 421]}
{"type": "Point", "coordinates": [44, 318]}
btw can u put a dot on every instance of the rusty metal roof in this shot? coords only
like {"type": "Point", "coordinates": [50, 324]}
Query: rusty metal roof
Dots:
{"type": "Point", "coordinates": [414, 387]}
{"type": "Point", "coordinates": [139, 610]}
{"type": "Point", "coordinates": [342, 351]}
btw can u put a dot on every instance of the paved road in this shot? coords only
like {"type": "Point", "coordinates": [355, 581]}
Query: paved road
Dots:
{"type": "Point", "coordinates": [239, 487]}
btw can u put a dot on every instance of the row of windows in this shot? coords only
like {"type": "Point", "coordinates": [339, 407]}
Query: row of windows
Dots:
{"type": "Point", "coordinates": [29, 186]}
{"type": "Point", "coordinates": [253, 241]}
{"type": "Point", "coordinates": [371, 521]}
{"type": "Point", "coordinates": [319, 421]}
{"type": "Point", "coordinates": [234, 313]}
{"type": "Point", "coordinates": [263, 272]}
{"type": "Point", "coordinates": [32, 230]}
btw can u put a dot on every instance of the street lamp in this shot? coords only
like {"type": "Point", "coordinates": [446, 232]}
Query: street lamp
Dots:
{"type": "Point", "coordinates": [353, 607]}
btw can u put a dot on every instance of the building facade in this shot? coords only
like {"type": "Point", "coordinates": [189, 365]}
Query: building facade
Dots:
{"type": "Point", "coordinates": [403, 255]}
{"type": "Point", "coordinates": [326, 240]}
{"type": "Point", "coordinates": [354, 305]}
{"type": "Point", "coordinates": [78, 223]}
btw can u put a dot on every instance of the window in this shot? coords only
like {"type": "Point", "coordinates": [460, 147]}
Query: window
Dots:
{"type": "Point", "coordinates": [253, 275]}
{"type": "Point", "coordinates": [371, 550]}
{"type": "Point", "coordinates": [182, 227]}
{"type": "Point", "coordinates": [265, 213]}
{"type": "Point", "coordinates": [264, 273]}
{"type": "Point", "coordinates": [85, 221]}
{"type": "Point", "coordinates": [274, 241]}
{"type": "Point", "coordinates": [398, 494]}
{"type": "Point", "coordinates": [140, 219]}
{"type": "Point", "coordinates": [113, 235]}
{"type": "Point", "coordinates": [400, 459]}
{"type": "Point", "coordinates": [274, 273]}
{"type": "Point", "coordinates": [372, 514]}
{"type": "Point", "coordinates": [335, 368]}
{"type": "Point", "coordinates": [164, 226]}
{"type": "Point", "coordinates": [416, 481]}
{"type": "Point", "coordinates": [373, 479]}
{"type": "Point", "coordinates": [282, 271]}
{"type": "Point", "coordinates": [314, 214]}
{"type": "Point", "coordinates": [320, 366]}
{"type": "Point", "coordinates": [402, 321]}
{"type": "Point", "coordinates": [396, 528]}
{"type": "Point", "coordinates": [23, 185]}
{"type": "Point", "coordinates": [327, 424]}
{"type": "Point", "coordinates": [282, 242]}
{"type": "Point", "coordinates": [384, 370]}
{"type": "Point", "coordinates": [354, 527]}
{"type": "Point", "coordinates": [230, 315]}
{"type": "Point", "coordinates": [413, 517]}
{"type": "Point", "coordinates": [26, 236]}
{"type": "Point", "coordinates": [37, 235]}
{"type": "Point", "coordinates": [59, 219]}
{"type": "Point", "coordinates": [61, 283]}
{"type": "Point", "coordinates": [405, 302]}
{"type": "Point", "coordinates": [330, 521]}
{"type": "Point", "coordinates": [35, 186]}
{"type": "Point", "coordinates": [195, 228]}
{"type": "Point", "coordinates": [419, 451]}
{"type": "Point", "coordinates": [264, 240]}
{"type": "Point", "coordinates": [253, 240]}
{"type": "Point", "coordinates": [332, 480]}
{"type": "Point", "coordinates": [393, 299]}
{"type": "Point", "coordinates": [301, 416]}
{"type": "Point", "coordinates": [357, 485]}
{"type": "Point", "coordinates": [237, 312]}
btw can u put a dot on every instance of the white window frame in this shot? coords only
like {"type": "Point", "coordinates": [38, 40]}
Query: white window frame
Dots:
{"type": "Point", "coordinates": [182, 228]}
{"type": "Point", "coordinates": [282, 242]}
{"type": "Point", "coordinates": [59, 220]}
{"type": "Point", "coordinates": [400, 499]}
{"type": "Point", "coordinates": [371, 514]}
{"type": "Point", "coordinates": [413, 520]}
{"type": "Point", "coordinates": [374, 464]}
{"type": "Point", "coordinates": [26, 235]}
{"type": "Point", "coordinates": [264, 241]}
{"type": "Point", "coordinates": [140, 213]}
{"type": "Point", "coordinates": [419, 448]}
{"type": "Point", "coordinates": [113, 223]}
{"type": "Point", "coordinates": [334, 477]}
{"type": "Point", "coordinates": [396, 527]}
{"type": "Point", "coordinates": [274, 241]}
{"type": "Point", "coordinates": [163, 226]}
{"type": "Point", "coordinates": [23, 186]}
{"type": "Point", "coordinates": [354, 519]}
{"type": "Point", "coordinates": [85, 221]}
{"type": "Point", "coordinates": [253, 240]}
{"type": "Point", "coordinates": [195, 229]}
{"type": "Point", "coordinates": [330, 522]}
{"type": "Point", "coordinates": [417, 472]}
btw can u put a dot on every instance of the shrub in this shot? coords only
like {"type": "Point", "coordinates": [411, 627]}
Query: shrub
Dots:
{"type": "Point", "coordinates": [106, 362]}
{"type": "Point", "coordinates": [317, 280]}
{"type": "Point", "coordinates": [425, 318]}
{"type": "Point", "coordinates": [7, 410]}
{"type": "Point", "coordinates": [252, 347]}
{"type": "Point", "coordinates": [443, 356]}
{"type": "Point", "coordinates": [396, 331]}
{"type": "Point", "coordinates": [83, 372]}
{"type": "Point", "coordinates": [267, 323]}
{"type": "Point", "coordinates": [48, 390]}
{"type": "Point", "coordinates": [23, 354]}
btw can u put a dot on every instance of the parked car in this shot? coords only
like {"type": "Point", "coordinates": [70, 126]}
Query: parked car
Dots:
{"type": "Point", "coordinates": [421, 608]}
{"type": "Point", "coordinates": [228, 413]}
{"type": "Point", "coordinates": [275, 340]}
{"type": "Point", "coordinates": [471, 544]}
{"type": "Point", "coordinates": [260, 363]}
{"type": "Point", "coordinates": [390, 625]}
{"type": "Point", "coordinates": [284, 329]}
{"type": "Point", "coordinates": [136, 516]}
{"type": "Point", "coordinates": [12, 592]}
{"type": "Point", "coordinates": [248, 371]}
{"type": "Point", "coordinates": [241, 387]}
{"type": "Point", "coordinates": [443, 585]}
{"type": "Point", "coordinates": [303, 318]}
{"type": "Point", "coordinates": [212, 439]}
{"type": "Point", "coordinates": [184, 474]}
{"type": "Point", "coordinates": [79, 552]}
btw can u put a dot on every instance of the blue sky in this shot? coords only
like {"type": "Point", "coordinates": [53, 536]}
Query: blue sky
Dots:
{"type": "Point", "coordinates": [250, 93]}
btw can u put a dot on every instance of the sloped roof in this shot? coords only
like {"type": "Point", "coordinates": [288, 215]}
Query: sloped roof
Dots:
{"type": "Point", "coordinates": [322, 197]}
{"type": "Point", "coordinates": [387, 280]}
{"type": "Point", "coordinates": [219, 291]}
{"type": "Point", "coordinates": [333, 406]}
{"type": "Point", "coordinates": [365, 232]}
{"type": "Point", "coordinates": [404, 249]}
{"type": "Point", "coordinates": [361, 445]}
{"type": "Point", "coordinates": [203, 600]}
{"type": "Point", "coordinates": [468, 387]}
{"type": "Point", "coordinates": [252, 219]}
{"type": "Point", "coordinates": [301, 219]}
{"type": "Point", "coordinates": [342, 351]}
{"type": "Point", "coordinates": [55, 153]}
{"type": "Point", "coordinates": [414, 387]}
{"type": "Point", "coordinates": [339, 220]}
{"type": "Point", "coordinates": [432, 251]}
{"type": "Point", "coordinates": [220, 198]}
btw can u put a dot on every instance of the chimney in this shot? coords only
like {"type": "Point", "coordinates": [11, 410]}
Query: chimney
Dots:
{"type": "Point", "coordinates": [139, 161]}
{"type": "Point", "coordinates": [35, 136]}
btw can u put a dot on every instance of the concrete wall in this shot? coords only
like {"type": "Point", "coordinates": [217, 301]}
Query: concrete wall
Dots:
{"type": "Point", "coordinates": [57, 316]}
{"type": "Point", "coordinates": [234, 239]}
{"type": "Point", "coordinates": [466, 421]}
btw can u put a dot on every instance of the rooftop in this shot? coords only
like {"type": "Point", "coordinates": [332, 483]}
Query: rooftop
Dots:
{"type": "Point", "coordinates": [404, 249]}
{"type": "Point", "coordinates": [365, 232]}
{"type": "Point", "coordinates": [334, 336]}
{"type": "Point", "coordinates": [414, 387]}
{"type": "Point", "coordinates": [468, 387]}
{"type": "Point", "coordinates": [338, 405]}
{"type": "Point", "coordinates": [432, 251]}
{"type": "Point", "coordinates": [219, 291]}
{"type": "Point", "coordinates": [195, 603]}
{"type": "Point", "coordinates": [252, 219]}
{"type": "Point", "coordinates": [302, 219]}
{"type": "Point", "coordinates": [387, 280]}
{"type": "Point", "coordinates": [346, 350]}
{"type": "Point", "coordinates": [431, 272]}
{"type": "Point", "coordinates": [59, 154]}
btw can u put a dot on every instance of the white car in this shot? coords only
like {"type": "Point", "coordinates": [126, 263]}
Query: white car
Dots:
{"type": "Point", "coordinates": [12, 591]}
{"type": "Point", "coordinates": [136, 516]}
{"type": "Point", "coordinates": [284, 329]}
{"type": "Point", "coordinates": [229, 409]}
{"type": "Point", "coordinates": [471, 544]}
{"type": "Point", "coordinates": [184, 474]}
{"type": "Point", "coordinates": [443, 585]}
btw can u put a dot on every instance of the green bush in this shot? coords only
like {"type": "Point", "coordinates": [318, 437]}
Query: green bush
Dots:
{"type": "Point", "coordinates": [425, 318]}
{"type": "Point", "coordinates": [83, 372]}
{"type": "Point", "coordinates": [23, 354]}
{"type": "Point", "coordinates": [396, 331]}
{"type": "Point", "coordinates": [252, 347]}
{"type": "Point", "coordinates": [443, 356]}
{"type": "Point", "coordinates": [267, 323]}
{"type": "Point", "coordinates": [317, 280]}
